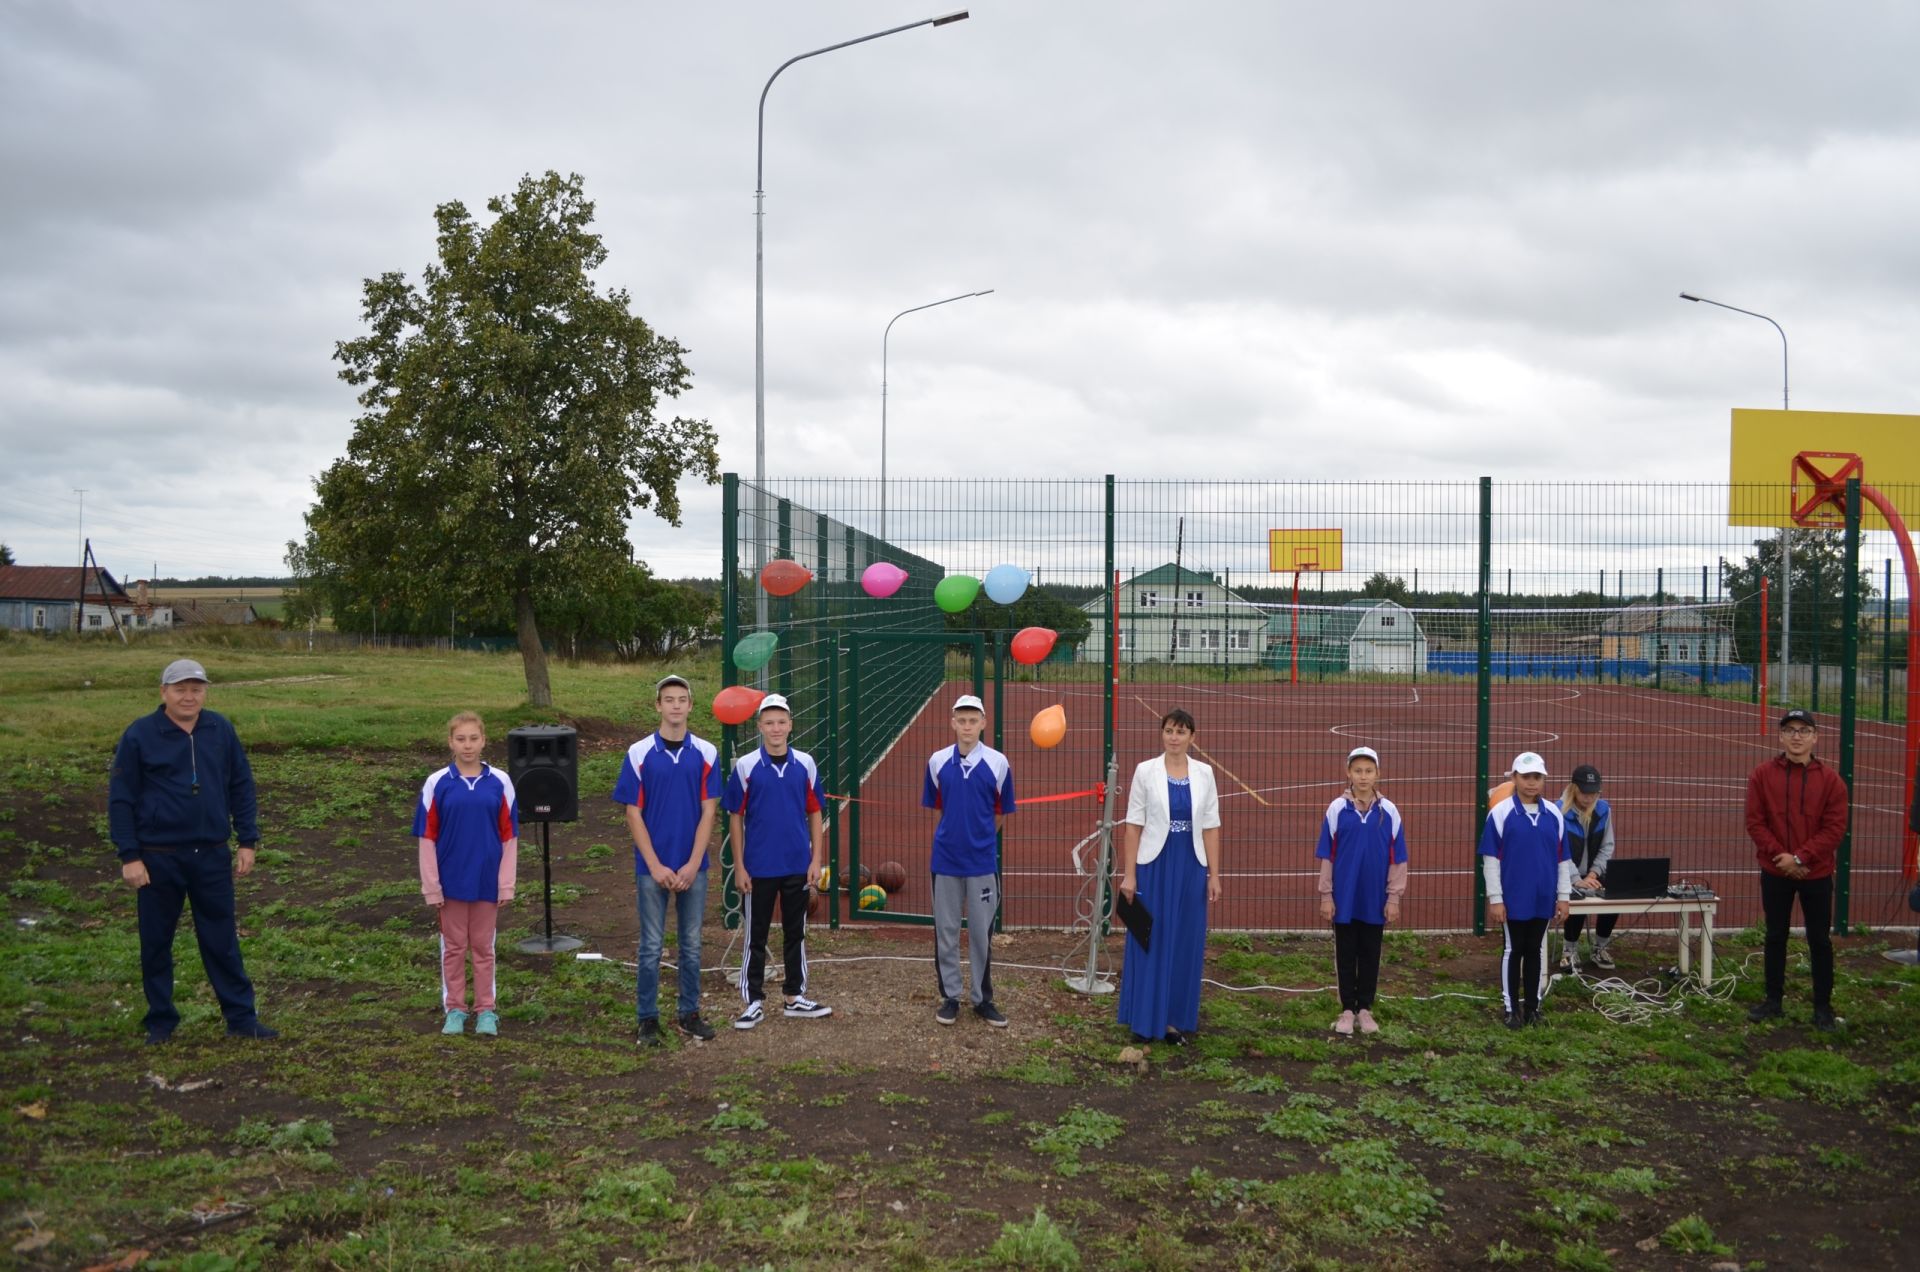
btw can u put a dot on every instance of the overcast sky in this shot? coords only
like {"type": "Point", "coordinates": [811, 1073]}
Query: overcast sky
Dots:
{"type": "Point", "coordinates": [1279, 240]}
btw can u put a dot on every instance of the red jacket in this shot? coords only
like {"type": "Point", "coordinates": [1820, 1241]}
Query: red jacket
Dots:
{"type": "Point", "coordinates": [1796, 808]}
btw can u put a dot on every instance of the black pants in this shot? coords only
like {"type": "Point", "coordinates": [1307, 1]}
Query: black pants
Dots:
{"type": "Point", "coordinates": [791, 892]}
{"type": "Point", "coordinates": [1356, 962]}
{"type": "Point", "coordinates": [202, 877]}
{"type": "Point", "coordinates": [1816, 911]}
{"type": "Point", "coordinates": [1603, 926]}
{"type": "Point", "coordinates": [1520, 966]}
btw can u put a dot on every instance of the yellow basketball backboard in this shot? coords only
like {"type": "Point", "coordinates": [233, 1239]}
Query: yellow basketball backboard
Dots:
{"type": "Point", "coordinates": [1304, 550]}
{"type": "Point", "coordinates": [1765, 443]}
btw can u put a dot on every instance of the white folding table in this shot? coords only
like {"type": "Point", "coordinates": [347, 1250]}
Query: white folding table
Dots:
{"type": "Point", "coordinates": [1685, 907]}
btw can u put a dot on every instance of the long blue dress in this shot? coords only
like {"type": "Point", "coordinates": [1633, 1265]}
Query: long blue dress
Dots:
{"type": "Point", "coordinates": [1160, 990]}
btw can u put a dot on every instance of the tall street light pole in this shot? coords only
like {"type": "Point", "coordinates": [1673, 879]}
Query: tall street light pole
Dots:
{"type": "Point", "coordinates": [884, 337]}
{"type": "Point", "coordinates": [1786, 542]}
{"type": "Point", "coordinates": [760, 293]}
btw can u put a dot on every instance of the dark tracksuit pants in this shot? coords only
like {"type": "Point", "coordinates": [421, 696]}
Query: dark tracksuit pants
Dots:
{"type": "Point", "coordinates": [1356, 961]}
{"type": "Point", "coordinates": [1816, 911]}
{"type": "Point", "coordinates": [791, 892]}
{"type": "Point", "coordinates": [203, 878]}
{"type": "Point", "coordinates": [1521, 970]}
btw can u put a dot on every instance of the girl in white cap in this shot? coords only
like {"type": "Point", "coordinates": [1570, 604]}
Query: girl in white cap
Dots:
{"type": "Point", "coordinates": [1363, 875]}
{"type": "Point", "coordinates": [1523, 851]}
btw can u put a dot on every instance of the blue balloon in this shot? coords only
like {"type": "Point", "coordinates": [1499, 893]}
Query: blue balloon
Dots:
{"type": "Point", "coordinates": [1006, 584]}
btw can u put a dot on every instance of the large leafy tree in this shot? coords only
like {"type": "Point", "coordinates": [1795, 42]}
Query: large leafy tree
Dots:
{"type": "Point", "coordinates": [511, 425]}
{"type": "Point", "coordinates": [1819, 595]}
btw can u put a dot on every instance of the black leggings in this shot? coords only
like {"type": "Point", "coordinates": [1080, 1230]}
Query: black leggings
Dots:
{"type": "Point", "coordinates": [1816, 910]}
{"type": "Point", "coordinates": [1603, 926]}
{"type": "Point", "coordinates": [1356, 962]}
{"type": "Point", "coordinates": [1520, 966]}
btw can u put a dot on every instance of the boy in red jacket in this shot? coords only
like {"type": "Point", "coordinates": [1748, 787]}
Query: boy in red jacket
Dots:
{"type": "Point", "coordinates": [1796, 817]}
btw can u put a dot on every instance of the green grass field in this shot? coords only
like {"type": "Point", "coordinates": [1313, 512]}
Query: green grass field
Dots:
{"type": "Point", "coordinates": [363, 1139]}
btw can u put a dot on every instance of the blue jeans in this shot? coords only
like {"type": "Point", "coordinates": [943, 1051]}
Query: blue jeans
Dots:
{"type": "Point", "coordinates": [692, 906]}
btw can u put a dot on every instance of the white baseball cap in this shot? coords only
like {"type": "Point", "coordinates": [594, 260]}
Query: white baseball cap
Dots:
{"type": "Point", "coordinates": [1363, 753]}
{"type": "Point", "coordinates": [1528, 762]}
{"type": "Point", "coordinates": [969, 702]}
{"type": "Point", "coordinates": [773, 700]}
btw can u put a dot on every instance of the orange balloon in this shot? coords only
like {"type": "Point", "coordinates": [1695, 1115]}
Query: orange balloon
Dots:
{"type": "Point", "coordinates": [782, 577]}
{"type": "Point", "coordinates": [1048, 727]}
{"type": "Point", "coordinates": [736, 704]}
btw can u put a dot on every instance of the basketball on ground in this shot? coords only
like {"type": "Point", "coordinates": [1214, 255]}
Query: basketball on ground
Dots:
{"type": "Point", "coordinates": [892, 876]}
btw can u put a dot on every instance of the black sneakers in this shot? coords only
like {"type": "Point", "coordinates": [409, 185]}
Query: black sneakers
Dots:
{"type": "Point", "coordinates": [1514, 1020]}
{"type": "Point", "coordinates": [1766, 1009]}
{"type": "Point", "coordinates": [649, 1033]}
{"type": "Point", "coordinates": [1825, 1021]}
{"type": "Point", "coordinates": [947, 1012]}
{"type": "Point", "coordinates": [693, 1027]}
{"type": "Point", "coordinates": [991, 1014]}
{"type": "Point", "coordinates": [253, 1029]}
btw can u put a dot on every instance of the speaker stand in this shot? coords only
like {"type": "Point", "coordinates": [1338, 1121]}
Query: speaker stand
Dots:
{"type": "Point", "coordinates": [548, 944]}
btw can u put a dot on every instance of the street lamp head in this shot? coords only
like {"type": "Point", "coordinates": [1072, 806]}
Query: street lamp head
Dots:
{"type": "Point", "coordinates": [1688, 296]}
{"type": "Point", "coordinates": [960, 15]}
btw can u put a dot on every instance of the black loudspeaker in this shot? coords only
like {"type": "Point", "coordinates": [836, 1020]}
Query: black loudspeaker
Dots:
{"type": "Point", "coordinates": [543, 761]}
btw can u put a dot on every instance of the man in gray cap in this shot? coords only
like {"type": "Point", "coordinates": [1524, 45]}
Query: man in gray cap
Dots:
{"type": "Point", "coordinates": [181, 789]}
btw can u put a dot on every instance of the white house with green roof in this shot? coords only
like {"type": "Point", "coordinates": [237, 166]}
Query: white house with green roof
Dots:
{"type": "Point", "coordinates": [1178, 614]}
{"type": "Point", "coordinates": [1367, 635]}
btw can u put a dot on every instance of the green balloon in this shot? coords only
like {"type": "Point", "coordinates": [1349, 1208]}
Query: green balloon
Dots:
{"type": "Point", "coordinates": [955, 592]}
{"type": "Point", "coordinates": [752, 652]}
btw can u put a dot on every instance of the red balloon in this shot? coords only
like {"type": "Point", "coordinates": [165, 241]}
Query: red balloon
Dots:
{"type": "Point", "coordinates": [736, 704]}
{"type": "Point", "coordinates": [1032, 644]}
{"type": "Point", "coordinates": [783, 577]}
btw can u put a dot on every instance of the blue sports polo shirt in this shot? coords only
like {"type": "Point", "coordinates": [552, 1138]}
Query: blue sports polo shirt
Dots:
{"type": "Point", "coordinates": [970, 791]}
{"type": "Point", "coordinates": [668, 783]}
{"type": "Point", "coordinates": [775, 796]}
{"type": "Point", "coordinates": [1361, 846]}
{"type": "Point", "coordinates": [468, 819]}
{"type": "Point", "coordinates": [1531, 844]}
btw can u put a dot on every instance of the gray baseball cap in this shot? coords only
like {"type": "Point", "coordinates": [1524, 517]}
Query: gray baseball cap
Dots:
{"type": "Point", "coordinates": [183, 669]}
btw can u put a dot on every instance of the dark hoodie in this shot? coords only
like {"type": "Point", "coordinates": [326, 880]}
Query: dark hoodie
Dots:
{"type": "Point", "coordinates": [1796, 808]}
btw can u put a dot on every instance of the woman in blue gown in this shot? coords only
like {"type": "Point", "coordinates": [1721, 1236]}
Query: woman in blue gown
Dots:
{"type": "Point", "coordinates": [1170, 862]}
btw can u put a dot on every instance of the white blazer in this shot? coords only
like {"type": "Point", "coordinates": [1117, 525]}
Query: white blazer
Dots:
{"type": "Point", "coordinates": [1147, 806]}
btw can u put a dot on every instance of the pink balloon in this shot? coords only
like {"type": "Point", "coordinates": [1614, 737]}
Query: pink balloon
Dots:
{"type": "Point", "coordinates": [882, 579]}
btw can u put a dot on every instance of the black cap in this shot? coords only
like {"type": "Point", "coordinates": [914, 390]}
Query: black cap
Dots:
{"type": "Point", "coordinates": [1587, 778]}
{"type": "Point", "coordinates": [1797, 716]}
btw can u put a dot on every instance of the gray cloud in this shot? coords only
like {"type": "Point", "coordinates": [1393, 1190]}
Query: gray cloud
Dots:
{"type": "Point", "coordinates": [1239, 240]}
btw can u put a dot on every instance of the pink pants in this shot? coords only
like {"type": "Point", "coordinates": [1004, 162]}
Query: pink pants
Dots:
{"type": "Point", "coordinates": [467, 927]}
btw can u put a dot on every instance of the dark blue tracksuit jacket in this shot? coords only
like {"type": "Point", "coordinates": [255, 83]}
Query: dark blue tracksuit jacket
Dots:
{"type": "Point", "coordinates": [174, 789]}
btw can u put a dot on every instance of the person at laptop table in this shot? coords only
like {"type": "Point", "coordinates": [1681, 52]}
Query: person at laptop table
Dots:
{"type": "Point", "coordinates": [1796, 816]}
{"type": "Point", "coordinates": [1589, 823]}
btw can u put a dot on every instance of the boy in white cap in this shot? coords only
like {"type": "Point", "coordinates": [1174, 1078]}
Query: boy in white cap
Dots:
{"type": "Point", "coordinates": [780, 843]}
{"type": "Point", "coordinates": [971, 785]}
{"type": "Point", "coordinates": [1363, 875]}
{"type": "Point", "coordinates": [1523, 851]}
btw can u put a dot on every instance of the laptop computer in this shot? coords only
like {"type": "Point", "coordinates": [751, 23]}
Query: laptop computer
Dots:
{"type": "Point", "coordinates": [1637, 878]}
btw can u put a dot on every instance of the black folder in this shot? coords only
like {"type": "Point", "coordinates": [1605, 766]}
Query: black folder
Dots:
{"type": "Point", "coordinates": [1137, 917]}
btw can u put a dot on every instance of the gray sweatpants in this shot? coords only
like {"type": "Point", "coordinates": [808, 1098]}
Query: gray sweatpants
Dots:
{"type": "Point", "coordinates": [978, 897]}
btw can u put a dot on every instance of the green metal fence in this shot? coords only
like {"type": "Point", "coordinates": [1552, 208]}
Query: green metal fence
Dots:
{"type": "Point", "coordinates": [1614, 624]}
